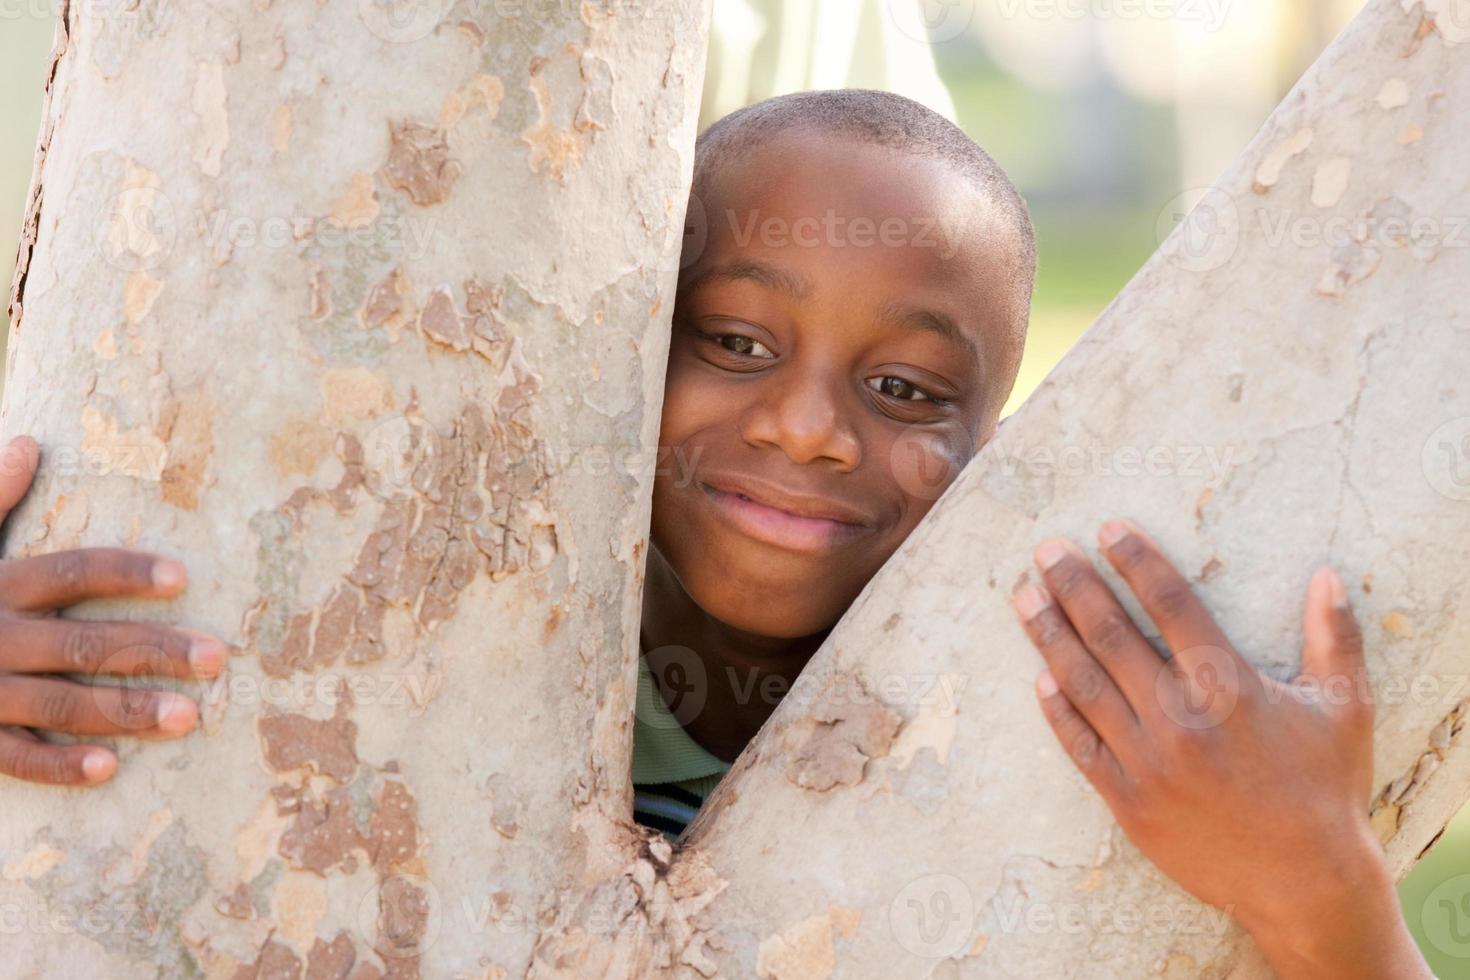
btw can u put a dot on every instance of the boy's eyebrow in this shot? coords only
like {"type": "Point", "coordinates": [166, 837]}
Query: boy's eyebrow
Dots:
{"type": "Point", "coordinates": [923, 319]}
{"type": "Point", "coordinates": [750, 270]}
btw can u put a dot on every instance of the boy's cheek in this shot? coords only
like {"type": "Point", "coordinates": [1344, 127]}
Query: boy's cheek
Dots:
{"type": "Point", "coordinates": [924, 462]}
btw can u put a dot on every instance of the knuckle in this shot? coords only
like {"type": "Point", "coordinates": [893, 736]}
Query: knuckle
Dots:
{"type": "Point", "coordinates": [57, 709]}
{"type": "Point", "coordinates": [1084, 684]}
{"type": "Point", "coordinates": [1110, 634]}
{"type": "Point", "coordinates": [1171, 599]}
{"type": "Point", "coordinates": [1066, 579]}
{"type": "Point", "coordinates": [1048, 626]}
{"type": "Point", "coordinates": [85, 648]}
{"type": "Point", "coordinates": [1083, 746]}
{"type": "Point", "coordinates": [71, 569]}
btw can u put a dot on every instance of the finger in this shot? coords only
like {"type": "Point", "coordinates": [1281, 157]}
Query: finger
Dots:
{"type": "Point", "coordinates": [1183, 621]}
{"type": "Point", "coordinates": [18, 461]}
{"type": "Point", "coordinates": [23, 756]}
{"type": "Point", "coordinates": [61, 646]}
{"type": "Point", "coordinates": [1332, 648]}
{"type": "Point", "coordinates": [62, 578]}
{"type": "Point", "coordinates": [59, 705]}
{"type": "Point", "coordinates": [1079, 740]}
{"type": "Point", "coordinates": [1081, 678]}
{"type": "Point", "coordinates": [1101, 621]}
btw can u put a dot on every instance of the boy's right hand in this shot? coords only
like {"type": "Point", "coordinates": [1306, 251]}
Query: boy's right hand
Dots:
{"type": "Point", "coordinates": [37, 648]}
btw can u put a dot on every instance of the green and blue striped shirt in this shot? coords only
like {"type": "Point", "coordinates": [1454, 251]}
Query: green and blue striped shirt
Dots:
{"type": "Point", "coordinates": [672, 773]}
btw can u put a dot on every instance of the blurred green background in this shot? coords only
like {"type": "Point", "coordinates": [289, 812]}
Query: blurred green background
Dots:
{"type": "Point", "coordinates": [1101, 117]}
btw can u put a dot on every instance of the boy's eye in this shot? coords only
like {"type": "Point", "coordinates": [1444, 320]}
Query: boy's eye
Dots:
{"type": "Point", "coordinates": [896, 387]}
{"type": "Point", "coordinates": [740, 344]}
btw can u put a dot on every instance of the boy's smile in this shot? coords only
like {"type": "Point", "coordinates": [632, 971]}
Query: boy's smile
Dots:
{"type": "Point", "coordinates": [846, 333]}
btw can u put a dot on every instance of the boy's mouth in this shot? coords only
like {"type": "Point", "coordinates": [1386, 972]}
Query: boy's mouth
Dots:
{"type": "Point", "coordinates": [796, 522]}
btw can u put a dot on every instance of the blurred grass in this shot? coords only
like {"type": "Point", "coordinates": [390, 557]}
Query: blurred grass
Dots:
{"type": "Point", "coordinates": [1088, 251]}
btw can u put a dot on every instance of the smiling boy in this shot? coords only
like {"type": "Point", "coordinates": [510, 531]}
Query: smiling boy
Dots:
{"type": "Point", "coordinates": [845, 335]}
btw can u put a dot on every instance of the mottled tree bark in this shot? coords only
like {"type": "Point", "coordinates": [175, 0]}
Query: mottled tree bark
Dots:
{"type": "Point", "coordinates": [389, 471]}
{"type": "Point", "coordinates": [361, 310]}
{"type": "Point", "coordinates": [1283, 384]}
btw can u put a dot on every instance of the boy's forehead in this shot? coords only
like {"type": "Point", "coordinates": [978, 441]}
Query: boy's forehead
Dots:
{"type": "Point", "coordinates": [807, 209]}
{"type": "Point", "coordinates": [801, 173]}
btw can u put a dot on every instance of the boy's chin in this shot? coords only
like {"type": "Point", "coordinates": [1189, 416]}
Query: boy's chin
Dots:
{"type": "Point", "coordinates": [768, 610]}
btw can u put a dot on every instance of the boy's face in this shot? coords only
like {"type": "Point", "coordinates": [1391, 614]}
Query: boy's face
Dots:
{"type": "Point", "coordinates": [842, 344]}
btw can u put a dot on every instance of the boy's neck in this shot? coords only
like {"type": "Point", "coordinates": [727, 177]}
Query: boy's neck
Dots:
{"type": "Point", "coordinates": [745, 675]}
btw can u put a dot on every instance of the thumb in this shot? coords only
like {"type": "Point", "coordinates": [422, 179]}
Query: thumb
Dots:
{"type": "Point", "coordinates": [18, 461]}
{"type": "Point", "coordinates": [1332, 650]}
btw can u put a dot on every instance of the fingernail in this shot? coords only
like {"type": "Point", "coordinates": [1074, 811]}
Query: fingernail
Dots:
{"type": "Point", "coordinates": [167, 574]}
{"type": "Point", "coordinates": [1030, 600]}
{"type": "Point", "coordinates": [207, 655]}
{"type": "Point", "coordinates": [1335, 589]}
{"type": "Point", "coordinates": [1046, 684]}
{"type": "Point", "coordinates": [1112, 532]}
{"type": "Point", "coordinates": [176, 714]}
{"type": "Point", "coordinates": [96, 766]}
{"type": "Point", "coordinates": [1049, 552]}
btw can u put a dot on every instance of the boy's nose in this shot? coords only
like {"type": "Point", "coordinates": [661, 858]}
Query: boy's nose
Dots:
{"type": "Point", "coordinates": [807, 419]}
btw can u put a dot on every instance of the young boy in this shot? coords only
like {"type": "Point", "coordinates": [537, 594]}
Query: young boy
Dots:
{"type": "Point", "coordinates": [845, 334]}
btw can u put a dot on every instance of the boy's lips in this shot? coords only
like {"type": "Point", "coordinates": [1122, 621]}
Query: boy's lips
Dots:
{"type": "Point", "coordinates": [796, 522]}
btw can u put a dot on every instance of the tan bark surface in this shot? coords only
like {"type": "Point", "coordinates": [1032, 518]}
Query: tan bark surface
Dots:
{"type": "Point", "coordinates": [361, 309]}
{"type": "Point", "coordinates": [1284, 384]}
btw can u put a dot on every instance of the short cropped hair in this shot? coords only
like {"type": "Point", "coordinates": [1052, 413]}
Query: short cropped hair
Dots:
{"type": "Point", "coordinates": [883, 119]}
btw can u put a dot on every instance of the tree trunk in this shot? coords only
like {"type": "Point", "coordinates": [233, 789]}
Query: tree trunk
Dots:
{"type": "Point", "coordinates": [1283, 384]}
{"type": "Point", "coordinates": [1265, 403]}
{"type": "Point", "coordinates": [361, 310]}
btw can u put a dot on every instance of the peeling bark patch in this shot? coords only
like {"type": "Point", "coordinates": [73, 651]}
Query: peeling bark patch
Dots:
{"type": "Point", "coordinates": [806, 950]}
{"type": "Point", "coordinates": [1270, 169]}
{"type": "Point", "coordinates": [484, 91]}
{"type": "Point", "coordinates": [556, 148]}
{"type": "Point", "coordinates": [1387, 809]}
{"type": "Point", "coordinates": [848, 727]}
{"type": "Point", "coordinates": [1449, 18]}
{"type": "Point", "coordinates": [1351, 264]}
{"type": "Point", "coordinates": [645, 922]}
{"type": "Point", "coordinates": [37, 862]}
{"type": "Point", "coordinates": [140, 292]}
{"type": "Point", "coordinates": [359, 207]}
{"type": "Point", "coordinates": [136, 452]}
{"type": "Point", "coordinates": [30, 225]}
{"type": "Point", "coordinates": [479, 329]}
{"type": "Point", "coordinates": [1394, 94]}
{"type": "Point", "coordinates": [291, 741]}
{"type": "Point", "coordinates": [299, 446]}
{"type": "Point", "coordinates": [283, 124]}
{"type": "Point", "coordinates": [188, 428]}
{"type": "Point", "coordinates": [388, 305]}
{"type": "Point", "coordinates": [1398, 625]}
{"type": "Point", "coordinates": [209, 104]}
{"type": "Point", "coordinates": [1411, 134]}
{"type": "Point", "coordinates": [1330, 181]}
{"type": "Point", "coordinates": [419, 164]}
{"type": "Point", "coordinates": [352, 393]}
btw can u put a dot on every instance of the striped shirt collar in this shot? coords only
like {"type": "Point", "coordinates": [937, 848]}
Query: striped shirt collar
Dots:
{"type": "Point", "coordinates": [662, 751]}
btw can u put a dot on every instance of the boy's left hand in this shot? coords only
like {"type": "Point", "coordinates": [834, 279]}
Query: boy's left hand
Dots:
{"type": "Point", "coordinates": [1250, 793]}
